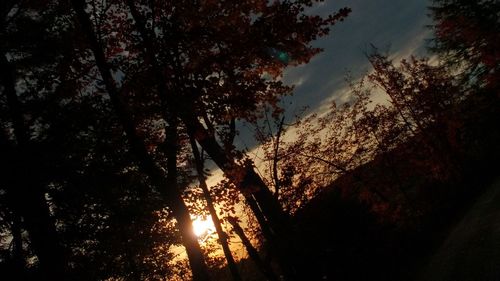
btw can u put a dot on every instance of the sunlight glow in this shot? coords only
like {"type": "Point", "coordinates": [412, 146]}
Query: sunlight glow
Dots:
{"type": "Point", "coordinates": [203, 227]}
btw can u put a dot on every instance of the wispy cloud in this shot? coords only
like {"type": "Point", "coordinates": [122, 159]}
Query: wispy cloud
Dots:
{"type": "Point", "coordinates": [394, 25]}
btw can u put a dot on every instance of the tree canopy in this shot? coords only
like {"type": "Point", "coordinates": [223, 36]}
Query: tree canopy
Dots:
{"type": "Point", "coordinates": [113, 113]}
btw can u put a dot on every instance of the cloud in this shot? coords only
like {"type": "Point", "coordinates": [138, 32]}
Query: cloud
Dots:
{"type": "Point", "coordinates": [400, 26]}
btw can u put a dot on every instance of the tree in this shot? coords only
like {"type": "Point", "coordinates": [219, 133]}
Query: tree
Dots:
{"type": "Point", "coordinates": [222, 236]}
{"type": "Point", "coordinates": [71, 180]}
{"type": "Point", "coordinates": [424, 97]}
{"type": "Point", "coordinates": [466, 35]}
{"type": "Point", "coordinates": [173, 70]}
{"type": "Point", "coordinates": [25, 184]}
{"type": "Point", "coordinates": [360, 142]}
{"type": "Point", "coordinates": [205, 69]}
{"type": "Point", "coordinates": [165, 184]}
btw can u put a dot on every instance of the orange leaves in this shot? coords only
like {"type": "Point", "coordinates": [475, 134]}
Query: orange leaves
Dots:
{"type": "Point", "coordinates": [375, 151]}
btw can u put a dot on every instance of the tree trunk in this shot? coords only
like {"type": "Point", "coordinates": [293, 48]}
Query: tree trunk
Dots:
{"type": "Point", "coordinates": [263, 267]}
{"type": "Point", "coordinates": [25, 192]}
{"type": "Point", "coordinates": [26, 199]}
{"type": "Point", "coordinates": [167, 186]}
{"type": "Point", "coordinates": [268, 205]}
{"type": "Point", "coordinates": [213, 213]}
{"type": "Point", "coordinates": [42, 232]}
{"type": "Point", "coordinates": [17, 240]}
{"type": "Point", "coordinates": [244, 178]}
{"type": "Point", "coordinates": [273, 221]}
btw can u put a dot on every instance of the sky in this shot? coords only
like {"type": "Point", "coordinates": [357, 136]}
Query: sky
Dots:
{"type": "Point", "coordinates": [399, 27]}
{"type": "Point", "coordinates": [396, 26]}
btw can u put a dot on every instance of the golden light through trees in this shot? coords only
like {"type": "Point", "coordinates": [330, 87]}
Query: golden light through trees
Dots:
{"type": "Point", "coordinates": [157, 140]}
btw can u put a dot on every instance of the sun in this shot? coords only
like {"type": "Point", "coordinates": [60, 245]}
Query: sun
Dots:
{"type": "Point", "coordinates": [203, 227]}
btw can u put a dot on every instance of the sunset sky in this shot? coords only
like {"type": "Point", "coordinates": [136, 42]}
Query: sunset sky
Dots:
{"type": "Point", "coordinates": [394, 26]}
{"type": "Point", "coordinates": [399, 27]}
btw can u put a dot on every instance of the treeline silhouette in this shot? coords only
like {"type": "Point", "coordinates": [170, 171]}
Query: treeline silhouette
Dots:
{"type": "Point", "coordinates": [111, 112]}
{"type": "Point", "coordinates": [375, 183]}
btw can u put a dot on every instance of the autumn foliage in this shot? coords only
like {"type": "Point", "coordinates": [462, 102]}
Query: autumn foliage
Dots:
{"type": "Point", "coordinates": [115, 114]}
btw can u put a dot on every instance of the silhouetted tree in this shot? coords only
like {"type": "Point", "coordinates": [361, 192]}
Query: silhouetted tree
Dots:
{"type": "Point", "coordinates": [222, 236]}
{"type": "Point", "coordinates": [167, 184]}
{"type": "Point", "coordinates": [466, 35]}
{"type": "Point", "coordinates": [71, 178]}
{"type": "Point", "coordinates": [203, 68]}
{"type": "Point", "coordinates": [23, 133]}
